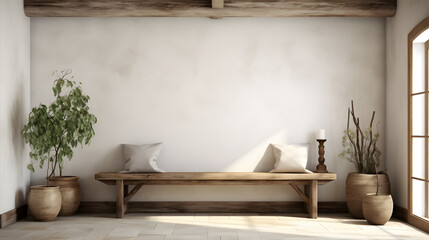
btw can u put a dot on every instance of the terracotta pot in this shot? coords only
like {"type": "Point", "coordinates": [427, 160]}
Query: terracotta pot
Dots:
{"type": "Point", "coordinates": [358, 185]}
{"type": "Point", "coordinates": [377, 209]}
{"type": "Point", "coordinates": [44, 203]}
{"type": "Point", "coordinates": [70, 193]}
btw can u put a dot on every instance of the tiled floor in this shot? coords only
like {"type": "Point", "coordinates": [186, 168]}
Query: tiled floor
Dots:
{"type": "Point", "coordinates": [208, 227]}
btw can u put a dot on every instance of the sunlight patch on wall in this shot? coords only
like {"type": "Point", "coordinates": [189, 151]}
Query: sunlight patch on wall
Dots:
{"type": "Point", "coordinates": [258, 159]}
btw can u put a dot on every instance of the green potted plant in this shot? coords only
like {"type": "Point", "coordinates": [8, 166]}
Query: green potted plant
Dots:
{"type": "Point", "coordinates": [360, 147]}
{"type": "Point", "coordinates": [53, 131]}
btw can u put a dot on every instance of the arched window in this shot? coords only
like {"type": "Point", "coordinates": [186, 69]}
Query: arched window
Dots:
{"type": "Point", "coordinates": [418, 127]}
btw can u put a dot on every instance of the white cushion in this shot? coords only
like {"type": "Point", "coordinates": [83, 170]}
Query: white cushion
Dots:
{"type": "Point", "coordinates": [290, 158]}
{"type": "Point", "coordinates": [141, 158]}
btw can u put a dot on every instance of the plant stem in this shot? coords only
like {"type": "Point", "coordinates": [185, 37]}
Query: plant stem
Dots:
{"type": "Point", "coordinates": [56, 160]}
{"type": "Point", "coordinates": [370, 135]}
{"type": "Point", "coordinates": [47, 173]}
{"type": "Point", "coordinates": [376, 172]}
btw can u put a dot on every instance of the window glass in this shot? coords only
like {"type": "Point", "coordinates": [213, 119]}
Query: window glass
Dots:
{"type": "Point", "coordinates": [418, 198]}
{"type": "Point", "coordinates": [418, 114]}
{"type": "Point", "coordinates": [419, 157]}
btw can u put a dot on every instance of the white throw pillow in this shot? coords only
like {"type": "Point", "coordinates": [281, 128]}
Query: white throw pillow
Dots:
{"type": "Point", "coordinates": [290, 158]}
{"type": "Point", "coordinates": [141, 158]}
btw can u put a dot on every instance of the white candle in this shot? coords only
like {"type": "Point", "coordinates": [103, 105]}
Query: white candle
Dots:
{"type": "Point", "coordinates": [321, 134]}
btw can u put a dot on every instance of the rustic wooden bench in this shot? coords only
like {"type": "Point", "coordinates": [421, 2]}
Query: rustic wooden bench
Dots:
{"type": "Point", "coordinates": [310, 181]}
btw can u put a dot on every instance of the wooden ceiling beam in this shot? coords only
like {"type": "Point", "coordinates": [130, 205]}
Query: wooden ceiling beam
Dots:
{"type": "Point", "coordinates": [210, 8]}
{"type": "Point", "coordinates": [217, 3]}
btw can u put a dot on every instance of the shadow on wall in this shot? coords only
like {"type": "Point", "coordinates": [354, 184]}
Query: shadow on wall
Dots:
{"type": "Point", "coordinates": [19, 197]}
{"type": "Point", "coordinates": [260, 158]}
{"type": "Point", "coordinates": [17, 121]}
{"type": "Point", "coordinates": [267, 161]}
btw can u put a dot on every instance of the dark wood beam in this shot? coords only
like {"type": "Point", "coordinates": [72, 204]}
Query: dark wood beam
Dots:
{"type": "Point", "coordinates": [217, 3]}
{"type": "Point", "coordinates": [203, 8]}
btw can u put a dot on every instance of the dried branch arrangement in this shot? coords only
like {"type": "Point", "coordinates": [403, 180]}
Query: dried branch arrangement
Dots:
{"type": "Point", "coordinates": [360, 147]}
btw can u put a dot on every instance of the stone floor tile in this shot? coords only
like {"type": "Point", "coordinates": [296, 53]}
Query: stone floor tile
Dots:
{"type": "Point", "coordinates": [205, 226]}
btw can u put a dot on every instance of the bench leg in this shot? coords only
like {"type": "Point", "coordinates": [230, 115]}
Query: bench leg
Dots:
{"type": "Point", "coordinates": [312, 203]}
{"type": "Point", "coordinates": [125, 190]}
{"type": "Point", "coordinates": [120, 206]}
{"type": "Point", "coordinates": [125, 195]}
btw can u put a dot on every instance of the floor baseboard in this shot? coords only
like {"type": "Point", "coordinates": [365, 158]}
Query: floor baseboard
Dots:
{"type": "Point", "coordinates": [212, 207]}
{"type": "Point", "coordinates": [13, 216]}
{"type": "Point", "coordinates": [400, 213]}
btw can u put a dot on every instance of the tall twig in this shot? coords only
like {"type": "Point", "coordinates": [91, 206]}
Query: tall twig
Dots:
{"type": "Point", "coordinates": [370, 135]}
{"type": "Point", "coordinates": [350, 137]}
{"type": "Point", "coordinates": [359, 140]}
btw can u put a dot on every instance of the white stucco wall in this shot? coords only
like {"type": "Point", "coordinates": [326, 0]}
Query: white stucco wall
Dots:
{"type": "Point", "coordinates": [408, 15]}
{"type": "Point", "coordinates": [216, 92]}
{"type": "Point", "coordinates": [14, 103]}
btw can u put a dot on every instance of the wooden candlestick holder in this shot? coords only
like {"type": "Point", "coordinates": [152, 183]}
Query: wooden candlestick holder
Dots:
{"type": "Point", "coordinates": [321, 167]}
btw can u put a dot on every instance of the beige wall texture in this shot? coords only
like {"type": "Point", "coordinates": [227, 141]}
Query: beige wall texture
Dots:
{"type": "Point", "coordinates": [408, 15]}
{"type": "Point", "coordinates": [14, 103]}
{"type": "Point", "coordinates": [216, 92]}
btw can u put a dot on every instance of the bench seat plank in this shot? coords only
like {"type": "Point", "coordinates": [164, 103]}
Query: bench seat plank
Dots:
{"type": "Point", "coordinates": [214, 182]}
{"type": "Point", "coordinates": [219, 176]}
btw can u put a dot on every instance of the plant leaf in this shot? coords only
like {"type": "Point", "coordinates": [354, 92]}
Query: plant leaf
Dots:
{"type": "Point", "coordinates": [30, 167]}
